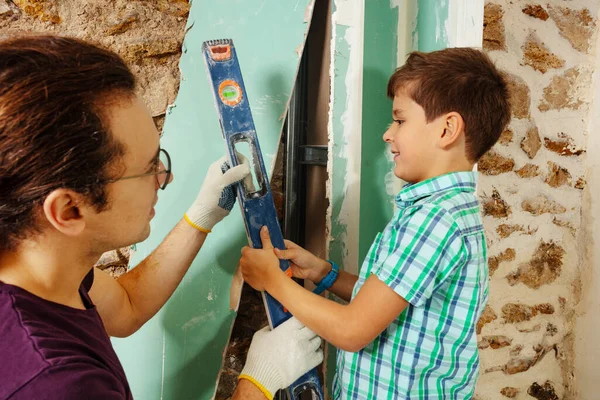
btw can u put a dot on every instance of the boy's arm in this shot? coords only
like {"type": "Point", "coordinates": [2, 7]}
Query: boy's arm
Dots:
{"type": "Point", "coordinates": [349, 327]}
{"type": "Point", "coordinates": [306, 265]}
{"type": "Point", "coordinates": [343, 285]}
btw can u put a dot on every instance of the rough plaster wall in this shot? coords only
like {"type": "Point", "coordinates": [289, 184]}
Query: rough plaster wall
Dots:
{"type": "Point", "coordinates": [147, 34]}
{"type": "Point", "coordinates": [587, 351]}
{"type": "Point", "coordinates": [531, 191]}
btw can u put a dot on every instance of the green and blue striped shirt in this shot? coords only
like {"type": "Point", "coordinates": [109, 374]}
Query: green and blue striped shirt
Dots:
{"type": "Point", "coordinates": [433, 254]}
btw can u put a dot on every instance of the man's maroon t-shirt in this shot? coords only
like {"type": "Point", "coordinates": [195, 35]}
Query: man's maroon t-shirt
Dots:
{"type": "Point", "coordinates": [51, 351]}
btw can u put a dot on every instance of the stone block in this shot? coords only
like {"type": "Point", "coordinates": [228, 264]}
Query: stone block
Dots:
{"type": "Point", "coordinates": [563, 146]}
{"type": "Point", "coordinates": [493, 27]}
{"type": "Point", "coordinates": [136, 50]}
{"type": "Point", "coordinates": [506, 137]}
{"type": "Point", "coordinates": [123, 25]}
{"type": "Point", "coordinates": [522, 364]}
{"type": "Point", "coordinates": [513, 313]}
{"type": "Point", "coordinates": [542, 205]}
{"type": "Point", "coordinates": [544, 392]}
{"type": "Point", "coordinates": [519, 96]}
{"type": "Point", "coordinates": [562, 92]}
{"type": "Point", "coordinates": [494, 262]}
{"type": "Point", "coordinates": [577, 26]}
{"type": "Point", "coordinates": [528, 171]}
{"type": "Point", "coordinates": [510, 392]}
{"type": "Point", "coordinates": [505, 230]}
{"type": "Point", "coordinates": [531, 143]}
{"type": "Point", "coordinates": [492, 163]}
{"type": "Point", "coordinates": [536, 11]}
{"type": "Point", "coordinates": [557, 175]}
{"type": "Point", "coordinates": [494, 341]}
{"type": "Point", "coordinates": [537, 55]}
{"type": "Point", "coordinates": [580, 184]}
{"type": "Point", "coordinates": [495, 206]}
{"type": "Point", "coordinates": [543, 268]}
{"type": "Point", "coordinates": [44, 10]}
{"type": "Point", "coordinates": [487, 316]}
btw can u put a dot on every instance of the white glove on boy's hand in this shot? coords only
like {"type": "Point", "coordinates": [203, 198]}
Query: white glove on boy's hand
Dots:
{"type": "Point", "coordinates": [278, 357]}
{"type": "Point", "coordinates": [217, 195]}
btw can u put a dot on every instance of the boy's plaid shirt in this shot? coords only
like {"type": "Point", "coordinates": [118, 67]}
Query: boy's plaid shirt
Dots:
{"type": "Point", "coordinates": [433, 254]}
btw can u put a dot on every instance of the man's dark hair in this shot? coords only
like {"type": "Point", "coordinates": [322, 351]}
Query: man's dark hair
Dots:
{"type": "Point", "coordinates": [462, 80]}
{"type": "Point", "coordinates": [53, 125]}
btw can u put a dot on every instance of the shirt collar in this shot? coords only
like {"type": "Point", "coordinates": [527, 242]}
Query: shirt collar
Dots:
{"type": "Point", "coordinates": [464, 181]}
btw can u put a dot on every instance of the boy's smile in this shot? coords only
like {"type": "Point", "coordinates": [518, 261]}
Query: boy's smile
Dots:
{"type": "Point", "coordinates": [411, 139]}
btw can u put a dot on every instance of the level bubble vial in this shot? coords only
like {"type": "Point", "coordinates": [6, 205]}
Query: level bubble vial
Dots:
{"type": "Point", "coordinates": [230, 92]}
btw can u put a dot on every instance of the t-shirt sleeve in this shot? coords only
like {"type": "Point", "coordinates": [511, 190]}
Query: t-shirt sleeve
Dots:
{"type": "Point", "coordinates": [423, 251]}
{"type": "Point", "coordinates": [74, 381]}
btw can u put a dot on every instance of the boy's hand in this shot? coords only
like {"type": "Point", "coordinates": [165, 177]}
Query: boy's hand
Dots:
{"type": "Point", "coordinates": [304, 264]}
{"type": "Point", "coordinates": [260, 267]}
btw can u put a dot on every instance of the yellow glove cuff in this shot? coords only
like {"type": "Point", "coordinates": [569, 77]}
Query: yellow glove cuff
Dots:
{"type": "Point", "coordinates": [189, 221]}
{"type": "Point", "coordinates": [264, 390]}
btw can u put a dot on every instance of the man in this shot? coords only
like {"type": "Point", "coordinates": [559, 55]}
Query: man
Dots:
{"type": "Point", "coordinates": [80, 168]}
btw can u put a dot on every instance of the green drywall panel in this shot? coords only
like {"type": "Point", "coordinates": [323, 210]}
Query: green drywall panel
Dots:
{"type": "Point", "coordinates": [178, 353]}
{"type": "Point", "coordinates": [431, 18]}
{"type": "Point", "coordinates": [380, 61]}
{"type": "Point", "coordinates": [337, 246]}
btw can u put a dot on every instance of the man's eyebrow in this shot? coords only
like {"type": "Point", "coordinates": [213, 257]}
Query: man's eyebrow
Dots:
{"type": "Point", "coordinates": [153, 160]}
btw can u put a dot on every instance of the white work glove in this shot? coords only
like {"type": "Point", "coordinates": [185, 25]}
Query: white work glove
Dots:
{"type": "Point", "coordinates": [278, 357]}
{"type": "Point", "coordinates": [217, 195]}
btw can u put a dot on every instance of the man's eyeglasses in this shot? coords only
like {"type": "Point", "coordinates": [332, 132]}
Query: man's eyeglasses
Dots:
{"type": "Point", "coordinates": [161, 169]}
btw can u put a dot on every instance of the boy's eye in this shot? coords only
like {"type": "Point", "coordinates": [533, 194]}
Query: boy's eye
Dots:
{"type": "Point", "coordinates": [397, 121]}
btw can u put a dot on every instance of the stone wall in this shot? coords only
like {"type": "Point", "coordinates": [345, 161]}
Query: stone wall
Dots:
{"type": "Point", "coordinates": [147, 34]}
{"type": "Point", "coordinates": [531, 190]}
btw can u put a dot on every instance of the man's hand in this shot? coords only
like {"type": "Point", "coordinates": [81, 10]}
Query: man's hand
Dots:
{"type": "Point", "coordinates": [277, 358]}
{"type": "Point", "coordinates": [217, 195]}
{"type": "Point", "coordinates": [304, 264]}
{"type": "Point", "coordinates": [260, 267]}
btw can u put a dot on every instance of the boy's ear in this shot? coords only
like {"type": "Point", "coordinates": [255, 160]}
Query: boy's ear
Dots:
{"type": "Point", "coordinates": [64, 209]}
{"type": "Point", "coordinates": [454, 129]}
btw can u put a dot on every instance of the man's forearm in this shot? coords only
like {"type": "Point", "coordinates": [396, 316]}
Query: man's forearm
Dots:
{"type": "Point", "coordinates": [247, 391]}
{"type": "Point", "coordinates": [153, 281]}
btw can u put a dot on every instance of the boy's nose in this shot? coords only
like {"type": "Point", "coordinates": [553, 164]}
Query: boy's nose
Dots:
{"type": "Point", "coordinates": [387, 137]}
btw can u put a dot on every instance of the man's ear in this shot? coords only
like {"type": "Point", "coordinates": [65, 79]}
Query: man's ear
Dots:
{"type": "Point", "coordinates": [454, 129]}
{"type": "Point", "coordinates": [64, 210]}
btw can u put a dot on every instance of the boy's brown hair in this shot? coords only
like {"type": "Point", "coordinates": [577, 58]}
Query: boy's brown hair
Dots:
{"type": "Point", "coordinates": [462, 80]}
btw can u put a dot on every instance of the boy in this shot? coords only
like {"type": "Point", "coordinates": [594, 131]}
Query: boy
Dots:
{"type": "Point", "coordinates": [409, 329]}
